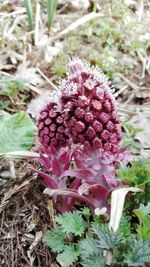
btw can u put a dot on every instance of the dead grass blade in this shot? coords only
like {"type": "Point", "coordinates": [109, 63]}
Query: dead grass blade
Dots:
{"type": "Point", "coordinates": [117, 203]}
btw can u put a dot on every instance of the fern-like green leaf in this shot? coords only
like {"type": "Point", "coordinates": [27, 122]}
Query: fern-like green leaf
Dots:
{"type": "Point", "coordinates": [125, 227]}
{"type": "Point", "coordinates": [143, 214]}
{"type": "Point", "coordinates": [89, 246]}
{"type": "Point", "coordinates": [91, 254]}
{"type": "Point", "coordinates": [138, 173]}
{"type": "Point", "coordinates": [96, 261]}
{"type": "Point", "coordinates": [143, 211]}
{"type": "Point", "coordinates": [139, 253]}
{"type": "Point", "coordinates": [107, 238]}
{"type": "Point", "coordinates": [71, 222]}
{"type": "Point", "coordinates": [55, 239]}
{"type": "Point", "coordinates": [68, 256]}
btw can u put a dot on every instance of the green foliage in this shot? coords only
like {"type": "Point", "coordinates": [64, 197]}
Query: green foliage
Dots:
{"type": "Point", "coordinates": [71, 223]}
{"type": "Point", "coordinates": [59, 66]}
{"type": "Point", "coordinates": [51, 8]}
{"type": "Point", "coordinates": [107, 238]}
{"type": "Point", "coordinates": [130, 134]}
{"type": "Point", "coordinates": [68, 256]}
{"type": "Point", "coordinates": [28, 6]}
{"type": "Point", "coordinates": [59, 70]}
{"type": "Point", "coordinates": [85, 211]}
{"type": "Point", "coordinates": [138, 253]}
{"type": "Point", "coordinates": [131, 130]}
{"type": "Point", "coordinates": [136, 174]}
{"type": "Point", "coordinates": [3, 104]}
{"type": "Point", "coordinates": [54, 239]}
{"type": "Point", "coordinates": [91, 254]}
{"type": "Point", "coordinates": [63, 239]}
{"type": "Point", "coordinates": [125, 227]}
{"type": "Point", "coordinates": [143, 214]}
{"type": "Point", "coordinates": [96, 260]}
{"type": "Point", "coordinates": [16, 132]}
{"type": "Point", "coordinates": [11, 87]}
{"type": "Point", "coordinates": [89, 246]}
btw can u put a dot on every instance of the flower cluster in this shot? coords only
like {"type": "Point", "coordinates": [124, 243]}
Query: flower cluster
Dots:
{"type": "Point", "coordinates": [51, 129]}
{"type": "Point", "coordinates": [84, 113]}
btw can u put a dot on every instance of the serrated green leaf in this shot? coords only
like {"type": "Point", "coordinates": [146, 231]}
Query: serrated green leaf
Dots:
{"type": "Point", "coordinates": [86, 212]}
{"type": "Point", "coordinates": [107, 238]}
{"type": "Point", "coordinates": [143, 211]}
{"type": "Point", "coordinates": [89, 246]}
{"type": "Point", "coordinates": [139, 253]}
{"type": "Point", "coordinates": [95, 261]}
{"type": "Point", "coordinates": [68, 256]}
{"type": "Point", "coordinates": [91, 254]}
{"type": "Point", "coordinates": [136, 174]}
{"type": "Point", "coordinates": [125, 227]}
{"type": "Point", "coordinates": [16, 132]}
{"type": "Point", "coordinates": [143, 214]}
{"type": "Point", "coordinates": [71, 222]}
{"type": "Point", "coordinates": [55, 240]}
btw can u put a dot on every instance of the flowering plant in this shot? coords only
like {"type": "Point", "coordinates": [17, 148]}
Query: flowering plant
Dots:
{"type": "Point", "coordinates": [80, 133]}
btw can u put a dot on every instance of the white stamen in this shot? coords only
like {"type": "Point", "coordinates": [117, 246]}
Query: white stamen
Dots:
{"type": "Point", "coordinates": [90, 84]}
{"type": "Point", "coordinates": [36, 105]}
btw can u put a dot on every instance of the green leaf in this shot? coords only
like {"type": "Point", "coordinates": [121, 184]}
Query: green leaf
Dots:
{"type": "Point", "coordinates": [143, 214]}
{"type": "Point", "coordinates": [95, 261]}
{"type": "Point", "coordinates": [28, 6]}
{"type": "Point", "coordinates": [11, 87]}
{"type": "Point", "coordinates": [16, 132]}
{"type": "Point", "coordinates": [68, 256]}
{"type": "Point", "coordinates": [125, 227]}
{"type": "Point", "coordinates": [55, 240]}
{"type": "Point", "coordinates": [91, 254]}
{"type": "Point", "coordinates": [89, 246]}
{"type": "Point", "coordinates": [143, 211]}
{"type": "Point", "coordinates": [139, 253]}
{"type": "Point", "coordinates": [51, 8]}
{"type": "Point", "coordinates": [71, 222]}
{"type": "Point", "coordinates": [107, 238]}
{"type": "Point", "coordinates": [136, 174]}
{"type": "Point", "coordinates": [86, 212]}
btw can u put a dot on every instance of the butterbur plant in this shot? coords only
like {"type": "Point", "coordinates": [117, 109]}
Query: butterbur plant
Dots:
{"type": "Point", "coordinates": [80, 133]}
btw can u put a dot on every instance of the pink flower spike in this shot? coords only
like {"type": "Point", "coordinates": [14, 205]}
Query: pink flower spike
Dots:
{"type": "Point", "coordinates": [75, 65]}
{"type": "Point", "coordinates": [93, 107]}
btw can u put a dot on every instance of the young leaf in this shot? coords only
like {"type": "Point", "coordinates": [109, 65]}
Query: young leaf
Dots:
{"type": "Point", "coordinates": [68, 256]}
{"type": "Point", "coordinates": [55, 240]}
{"type": "Point", "coordinates": [107, 238]}
{"type": "Point", "coordinates": [138, 173]}
{"type": "Point", "coordinates": [16, 132]}
{"type": "Point", "coordinates": [71, 222]}
{"type": "Point", "coordinates": [139, 253]}
{"type": "Point", "coordinates": [143, 214]}
{"type": "Point", "coordinates": [91, 254]}
{"type": "Point", "coordinates": [125, 227]}
{"type": "Point", "coordinates": [97, 260]}
{"type": "Point", "coordinates": [89, 246]}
